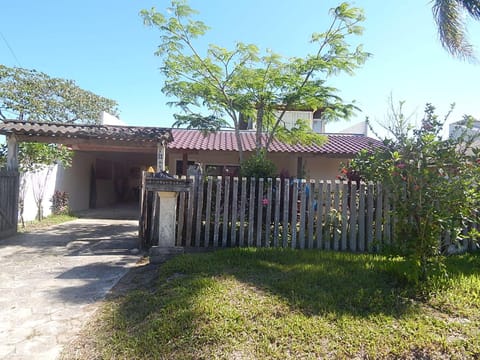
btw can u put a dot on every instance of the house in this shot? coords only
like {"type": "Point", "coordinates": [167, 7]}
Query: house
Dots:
{"type": "Point", "coordinates": [218, 153]}
{"type": "Point", "coordinates": [108, 159]}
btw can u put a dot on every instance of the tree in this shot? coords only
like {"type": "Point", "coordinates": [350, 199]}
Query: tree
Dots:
{"type": "Point", "coordinates": [231, 85]}
{"type": "Point", "coordinates": [434, 189]}
{"type": "Point", "coordinates": [30, 95]}
{"type": "Point", "coordinates": [34, 96]}
{"type": "Point", "coordinates": [449, 16]}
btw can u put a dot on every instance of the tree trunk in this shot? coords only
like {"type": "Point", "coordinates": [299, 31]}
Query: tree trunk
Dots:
{"type": "Point", "coordinates": [258, 135]}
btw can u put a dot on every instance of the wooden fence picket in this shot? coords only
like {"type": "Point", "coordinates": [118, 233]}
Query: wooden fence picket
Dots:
{"type": "Point", "coordinates": [208, 211]}
{"type": "Point", "coordinates": [343, 244]}
{"type": "Point", "coordinates": [378, 217]}
{"type": "Point", "coordinates": [233, 233]}
{"type": "Point", "coordinates": [286, 197]}
{"type": "Point", "coordinates": [336, 207]}
{"type": "Point", "coordinates": [259, 213]}
{"type": "Point", "coordinates": [353, 232]}
{"type": "Point", "coordinates": [268, 214]}
{"type": "Point", "coordinates": [303, 209]}
{"type": "Point", "coordinates": [276, 222]}
{"type": "Point", "coordinates": [294, 216]}
{"type": "Point", "coordinates": [198, 226]}
{"type": "Point", "coordinates": [369, 225]}
{"type": "Point", "coordinates": [226, 205]}
{"type": "Point", "coordinates": [218, 194]}
{"type": "Point", "coordinates": [361, 218]}
{"type": "Point", "coordinates": [328, 228]}
{"type": "Point", "coordinates": [319, 221]}
{"type": "Point", "coordinates": [311, 212]}
{"type": "Point", "coordinates": [243, 201]}
{"type": "Point", "coordinates": [251, 212]}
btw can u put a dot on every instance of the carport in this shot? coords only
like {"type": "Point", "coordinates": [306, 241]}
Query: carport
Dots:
{"type": "Point", "coordinates": [107, 162]}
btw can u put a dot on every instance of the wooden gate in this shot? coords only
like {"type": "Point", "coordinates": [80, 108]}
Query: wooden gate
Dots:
{"type": "Point", "coordinates": [8, 202]}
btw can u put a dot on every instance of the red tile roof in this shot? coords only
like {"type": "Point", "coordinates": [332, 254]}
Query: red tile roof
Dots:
{"type": "Point", "coordinates": [337, 144]}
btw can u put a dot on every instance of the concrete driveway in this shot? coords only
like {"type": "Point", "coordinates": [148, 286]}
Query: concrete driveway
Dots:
{"type": "Point", "coordinates": [51, 281]}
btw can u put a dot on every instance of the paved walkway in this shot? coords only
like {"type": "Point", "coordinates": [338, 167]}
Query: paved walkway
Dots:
{"type": "Point", "coordinates": [51, 280]}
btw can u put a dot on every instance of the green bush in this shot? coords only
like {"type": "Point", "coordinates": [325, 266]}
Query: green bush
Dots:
{"type": "Point", "coordinates": [258, 166]}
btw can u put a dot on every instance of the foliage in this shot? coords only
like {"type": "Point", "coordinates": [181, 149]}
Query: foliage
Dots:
{"type": "Point", "coordinates": [258, 166]}
{"type": "Point", "coordinates": [34, 96]}
{"type": "Point", "coordinates": [244, 83]}
{"type": "Point", "coordinates": [434, 187]}
{"type": "Point", "coordinates": [46, 222]}
{"type": "Point", "coordinates": [450, 18]}
{"type": "Point", "coordinates": [33, 157]}
{"type": "Point", "coordinates": [285, 304]}
{"type": "Point", "coordinates": [60, 203]}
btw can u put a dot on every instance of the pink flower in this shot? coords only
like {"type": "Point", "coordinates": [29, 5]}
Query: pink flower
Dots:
{"type": "Point", "coordinates": [265, 201]}
{"type": "Point", "coordinates": [401, 166]}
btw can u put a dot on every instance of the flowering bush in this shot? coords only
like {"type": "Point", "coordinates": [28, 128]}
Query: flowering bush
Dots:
{"type": "Point", "coordinates": [434, 187]}
{"type": "Point", "coordinates": [60, 202]}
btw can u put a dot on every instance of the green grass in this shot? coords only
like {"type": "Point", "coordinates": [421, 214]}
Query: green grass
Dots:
{"type": "Point", "coordinates": [46, 222]}
{"type": "Point", "coordinates": [286, 304]}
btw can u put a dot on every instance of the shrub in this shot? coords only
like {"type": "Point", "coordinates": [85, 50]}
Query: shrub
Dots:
{"type": "Point", "coordinates": [60, 203]}
{"type": "Point", "coordinates": [258, 166]}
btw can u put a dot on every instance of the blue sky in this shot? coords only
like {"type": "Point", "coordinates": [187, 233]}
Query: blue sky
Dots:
{"type": "Point", "coordinates": [104, 46]}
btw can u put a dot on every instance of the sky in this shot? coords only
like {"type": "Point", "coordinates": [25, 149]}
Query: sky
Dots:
{"type": "Point", "coordinates": [104, 47]}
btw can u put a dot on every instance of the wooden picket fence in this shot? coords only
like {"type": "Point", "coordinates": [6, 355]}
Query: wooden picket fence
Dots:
{"type": "Point", "coordinates": [230, 212]}
{"type": "Point", "coordinates": [8, 202]}
{"type": "Point", "coordinates": [233, 212]}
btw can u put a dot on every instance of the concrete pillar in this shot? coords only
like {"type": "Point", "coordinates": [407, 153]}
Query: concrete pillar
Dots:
{"type": "Point", "coordinates": [165, 247]}
{"type": "Point", "coordinates": [166, 226]}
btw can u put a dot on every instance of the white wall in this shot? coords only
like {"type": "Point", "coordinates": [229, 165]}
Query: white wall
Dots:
{"type": "Point", "coordinates": [34, 183]}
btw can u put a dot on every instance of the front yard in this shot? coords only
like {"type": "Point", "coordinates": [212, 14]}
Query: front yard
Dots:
{"type": "Point", "coordinates": [286, 304]}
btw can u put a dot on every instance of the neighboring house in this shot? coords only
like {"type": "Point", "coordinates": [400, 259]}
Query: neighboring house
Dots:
{"type": "Point", "coordinates": [458, 128]}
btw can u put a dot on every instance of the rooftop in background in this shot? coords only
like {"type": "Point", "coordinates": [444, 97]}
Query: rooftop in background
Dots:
{"type": "Point", "coordinates": [225, 140]}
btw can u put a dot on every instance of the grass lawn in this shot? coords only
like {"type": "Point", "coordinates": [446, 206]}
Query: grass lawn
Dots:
{"type": "Point", "coordinates": [286, 304]}
{"type": "Point", "coordinates": [46, 222]}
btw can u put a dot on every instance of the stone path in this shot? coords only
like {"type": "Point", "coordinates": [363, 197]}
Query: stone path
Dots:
{"type": "Point", "coordinates": [52, 279]}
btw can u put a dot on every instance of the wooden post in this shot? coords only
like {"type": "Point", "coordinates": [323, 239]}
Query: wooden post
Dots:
{"type": "Point", "coordinates": [160, 156]}
{"type": "Point", "coordinates": [184, 163]}
{"type": "Point", "coordinates": [12, 154]}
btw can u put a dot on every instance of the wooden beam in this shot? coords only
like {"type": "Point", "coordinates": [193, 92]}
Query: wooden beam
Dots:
{"type": "Point", "coordinates": [12, 154]}
{"type": "Point", "coordinates": [75, 141]}
{"type": "Point", "coordinates": [115, 148]}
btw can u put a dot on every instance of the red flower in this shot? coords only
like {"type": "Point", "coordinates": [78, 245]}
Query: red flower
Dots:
{"type": "Point", "coordinates": [265, 201]}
